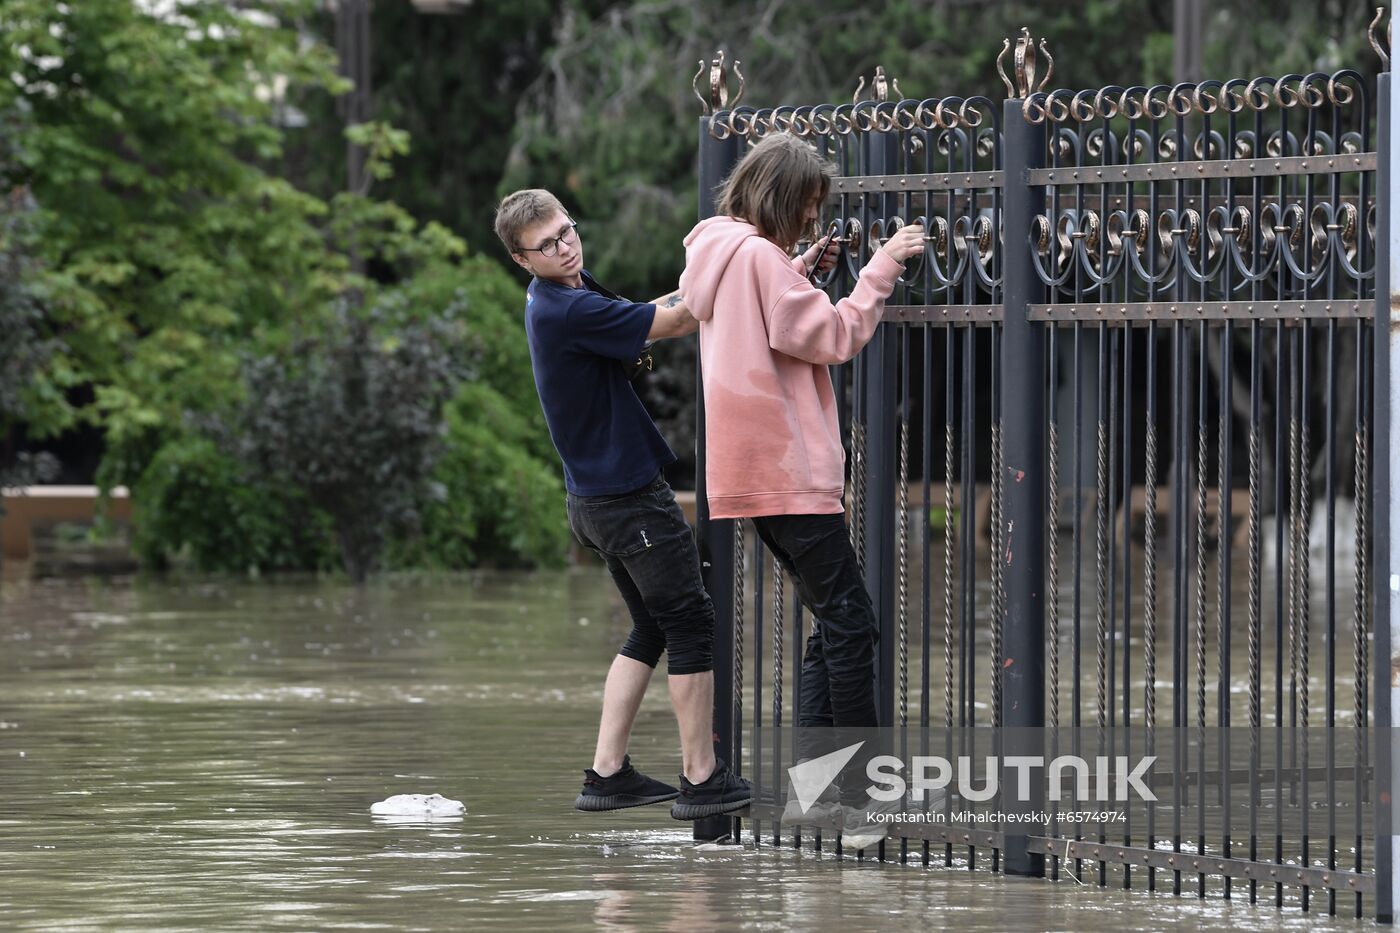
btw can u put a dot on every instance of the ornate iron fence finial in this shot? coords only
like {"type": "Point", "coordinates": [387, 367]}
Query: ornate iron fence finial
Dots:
{"type": "Point", "coordinates": [1024, 65]}
{"type": "Point", "coordinates": [719, 85]}
{"type": "Point", "coordinates": [1371, 32]}
{"type": "Point", "coordinates": [880, 87]}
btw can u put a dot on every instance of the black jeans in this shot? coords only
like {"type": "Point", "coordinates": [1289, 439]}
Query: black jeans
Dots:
{"type": "Point", "coordinates": [648, 547]}
{"type": "Point", "coordinates": [838, 667]}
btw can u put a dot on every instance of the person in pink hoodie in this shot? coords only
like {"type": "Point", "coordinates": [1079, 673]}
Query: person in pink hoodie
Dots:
{"type": "Point", "coordinates": [772, 442]}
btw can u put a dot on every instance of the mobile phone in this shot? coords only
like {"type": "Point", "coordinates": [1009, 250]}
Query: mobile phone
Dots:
{"type": "Point", "coordinates": [821, 251]}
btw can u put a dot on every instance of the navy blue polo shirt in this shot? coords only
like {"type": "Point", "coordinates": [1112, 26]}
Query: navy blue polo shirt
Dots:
{"type": "Point", "coordinates": [580, 340]}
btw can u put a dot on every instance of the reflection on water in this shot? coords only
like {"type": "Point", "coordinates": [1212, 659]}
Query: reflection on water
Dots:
{"type": "Point", "coordinates": [204, 756]}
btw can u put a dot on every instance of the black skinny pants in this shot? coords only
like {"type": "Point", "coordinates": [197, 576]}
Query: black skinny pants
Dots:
{"type": "Point", "coordinates": [648, 547]}
{"type": "Point", "coordinates": [838, 666]}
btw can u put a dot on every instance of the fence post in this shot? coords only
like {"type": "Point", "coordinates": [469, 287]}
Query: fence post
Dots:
{"type": "Point", "coordinates": [716, 537]}
{"type": "Point", "coordinates": [878, 409]}
{"type": "Point", "coordinates": [1023, 382]}
{"type": "Point", "coordinates": [1386, 566]}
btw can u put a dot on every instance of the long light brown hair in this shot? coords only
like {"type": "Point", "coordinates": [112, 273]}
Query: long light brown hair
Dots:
{"type": "Point", "coordinates": [771, 185]}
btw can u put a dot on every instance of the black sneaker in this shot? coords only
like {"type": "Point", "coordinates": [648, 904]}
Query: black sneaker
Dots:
{"type": "Point", "coordinates": [627, 788]}
{"type": "Point", "coordinates": [722, 792]}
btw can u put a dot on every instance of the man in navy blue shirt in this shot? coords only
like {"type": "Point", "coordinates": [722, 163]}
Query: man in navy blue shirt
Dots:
{"type": "Point", "coordinates": [583, 340]}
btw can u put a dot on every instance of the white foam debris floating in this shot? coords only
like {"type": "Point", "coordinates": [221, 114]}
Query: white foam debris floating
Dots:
{"type": "Point", "coordinates": [418, 805]}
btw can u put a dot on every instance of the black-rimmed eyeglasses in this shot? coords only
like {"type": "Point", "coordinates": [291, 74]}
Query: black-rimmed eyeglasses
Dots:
{"type": "Point", "coordinates": [551, 246]}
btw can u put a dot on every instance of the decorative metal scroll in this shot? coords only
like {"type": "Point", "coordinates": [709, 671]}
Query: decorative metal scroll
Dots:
{"type": "Point", "coordinates": [1218, 191]}
{"type": "Point", "coordinates": [947, 178]}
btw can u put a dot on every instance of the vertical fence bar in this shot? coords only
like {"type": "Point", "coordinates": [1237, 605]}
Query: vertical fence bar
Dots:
{"type": "Point", "coordinates": [1052, 568]}
{"type": "Point", "coordinates": [1102, 549]}
{"type": "Point", "coordinates": [1024, 432]}
{"type": "Point", "coordinates": [1149, 581]}
{"type": "Point", "coordinates": [1387, 478]}
{"type": "Point", "coordinates": [1199, 617]}
{"type": "Point", "coordinates": [797, 701]}
{"type": "Point", "coordinates": [951, 673]}
{"type": "Point", "coordinates": [878, 372]}
{"type": "Point", "coordinates": [926, 532]}
{"type": "Point", "coordinates": [1127, 544]}
{"type": "Point", "coordinates": [779, 620]}
{"type": "Point", "coordinates": [715, 537]}
{"type": "Point", "coordinates": [902, 556]}
{"type": "Point", "coordinates": [1281, 444]}
{"type": "Point", "coordinates": [756, 756]}
{"type": "Point", "coordinates": [1255, 421]}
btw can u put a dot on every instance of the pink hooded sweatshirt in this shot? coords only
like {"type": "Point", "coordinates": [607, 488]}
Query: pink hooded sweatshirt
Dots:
{"type": "Point", "coordinates": [767, 336]}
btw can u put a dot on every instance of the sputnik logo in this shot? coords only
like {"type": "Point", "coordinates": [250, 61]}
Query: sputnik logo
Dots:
{"type": "Point", "coordinates": [810, 778]}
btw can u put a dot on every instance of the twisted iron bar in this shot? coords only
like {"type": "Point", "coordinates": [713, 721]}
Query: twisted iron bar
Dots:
{"type": "Point", "coordinates": [1052, 585]}
{"type": "Point", "coordinates": [1361, 627]}
{"type": "Point", "coordinates": [1254, 575]}
{"type": "Point", "coordinates": [1149, 575]}
{"type": "Point", "coordinates": [1222, 563]}
{"type": "Point", "coordinates": [858, 500]}
{"type": "Point", "coordinates": [902, 557]}
{"type": "Point", "coordinates": [948, 452]}
{"type": "Point", "coordinates": [1294, 487]}
{"type": "Point", "coordinates": [1304, 572]}
{"type": "Point", "coordinates": [1101, 567]}
{"type": "Point", "coordinates": [1361, 624]}
{"type": "Point", "coordinates": [739, 561]}
{"type": "Point", "coordinates": [778, 643]}
{"type": "Point", "coordinates": [997, 563]}
{"type": "Point", "coordinates": [1201, 441]}
{"type": "Point", "coordinates": [1302, 529]}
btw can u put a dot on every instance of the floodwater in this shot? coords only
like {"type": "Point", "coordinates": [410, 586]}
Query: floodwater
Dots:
{"type": "Point", "coordinates": [203, 756]}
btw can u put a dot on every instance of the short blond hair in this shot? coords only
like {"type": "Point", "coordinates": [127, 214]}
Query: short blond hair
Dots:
{"type": "Point", "coordinates": [771, 185]}
{"type": "Point", "coordinates": [521, 209]}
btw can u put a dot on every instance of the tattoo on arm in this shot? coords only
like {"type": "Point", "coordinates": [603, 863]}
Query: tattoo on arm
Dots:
{"type": "Point", "coordinates": [673, 300]}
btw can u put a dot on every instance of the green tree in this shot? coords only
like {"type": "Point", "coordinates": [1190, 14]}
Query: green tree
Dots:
{"type": "Point", "coordinates": [163, 240]}
{"type": "Point", "coordinates": [453, 84]}
{"type": "Point", "coordinates": [191, 287]}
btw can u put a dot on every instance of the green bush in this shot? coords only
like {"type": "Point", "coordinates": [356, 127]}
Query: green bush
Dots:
{"type": "Point", "coordinates": [198, 503]}
{"type": "Point", "coordinates": [353, 415]}
{"type": "Point", "coordinates": [498, 503]}
{"type": "Point", "coordinates": [499, 492]}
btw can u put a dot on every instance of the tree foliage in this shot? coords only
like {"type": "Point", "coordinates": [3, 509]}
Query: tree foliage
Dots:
{"type": "Point", "coordinates": [350, 416]}
{"type": "Point", "coordinates": [202, 503]}
{"type": "Point", "coordinates": [203, 305]}
{"type": "Point", "coordinates": [165, 241]}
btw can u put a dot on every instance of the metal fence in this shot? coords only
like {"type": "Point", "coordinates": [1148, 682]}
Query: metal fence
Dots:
{"type": "Point", "coordinates": [1110, 459]}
